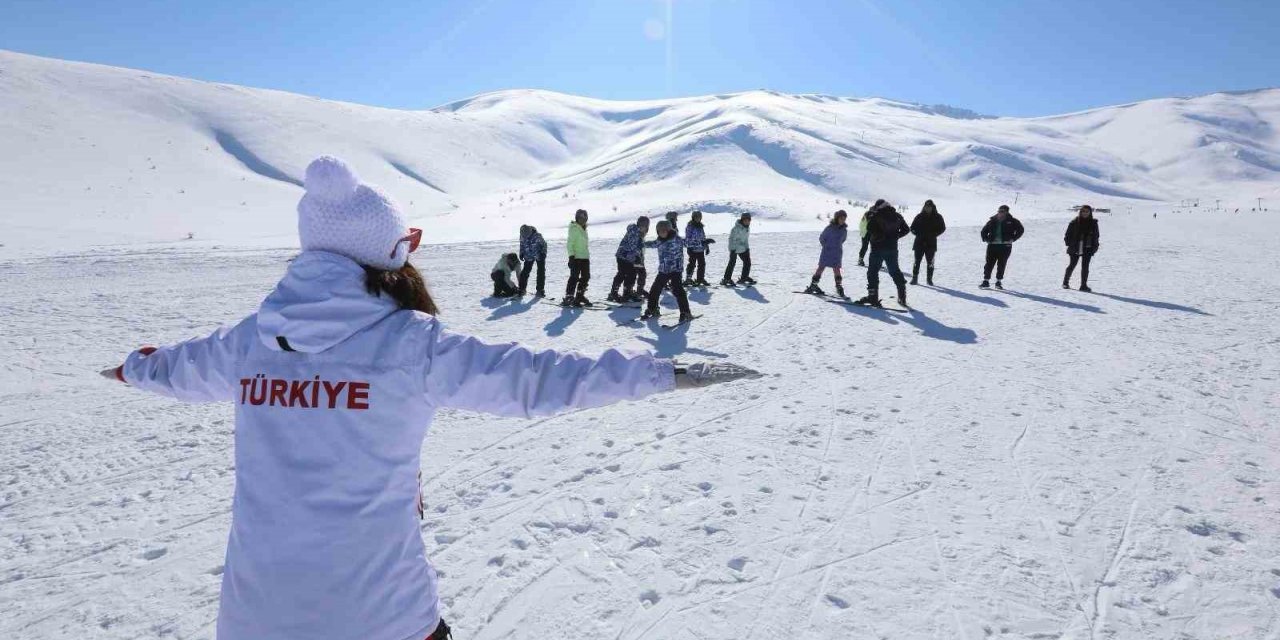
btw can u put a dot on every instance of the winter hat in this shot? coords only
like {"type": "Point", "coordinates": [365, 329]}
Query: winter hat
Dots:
{"type": "Point", "coordinates": [1004, 208]}
{"type": "Point", "coordinates": [340, 215]}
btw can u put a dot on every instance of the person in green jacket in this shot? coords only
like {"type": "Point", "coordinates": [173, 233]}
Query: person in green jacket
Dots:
{"type": "Point", "coordinates": [575, 294]}
{"type": "Point", "coordinates": [739, 247]}
{"type": "Point", "coordinates": [866, 241]}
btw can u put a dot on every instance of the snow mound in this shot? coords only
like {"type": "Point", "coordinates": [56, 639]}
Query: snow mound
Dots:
{"type": "Point", "coordinates": [128, 157]}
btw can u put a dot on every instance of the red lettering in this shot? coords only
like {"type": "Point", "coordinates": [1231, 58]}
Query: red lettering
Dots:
{"type": "Point", "coordinates": [278, 389]}
{"type": "Point", "coordinates": [298, 393]}
{"type": "Point", "coordinates": [332, 391]}
{"type": "Point", "coordinates": [358, 395]}
{"type": "Point", "coordinates": [258, 390]}
{"type": "Point", "coordinates": [244, 389]}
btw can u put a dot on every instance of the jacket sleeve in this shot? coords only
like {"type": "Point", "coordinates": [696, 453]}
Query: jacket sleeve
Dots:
{"type": "Point", "coordinates": [198, 370]}
{"type": "Point", "coordinates": [987, 230]}
{"type": "Point", "coordinates": [514, 380]}
{"type": "Point", "coordinates": [1066, 236]}
{"type": "Point", "coordinates": [1017, 229]}
{"type": "Point", "coordinates": [903, 229]}
{"type": "Point", "coordinates": [916, 224]}
{"type": "Point", "coordinates": [942, 225]}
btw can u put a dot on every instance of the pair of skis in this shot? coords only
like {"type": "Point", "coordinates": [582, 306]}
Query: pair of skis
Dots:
{"type": "Point", "coordinates": [635, 321]}
{"type": "Point", "coordinates": [857, 303]}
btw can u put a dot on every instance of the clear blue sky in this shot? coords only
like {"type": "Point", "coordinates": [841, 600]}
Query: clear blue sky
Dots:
{"type": "Point", "coordinates": [1003, 57]}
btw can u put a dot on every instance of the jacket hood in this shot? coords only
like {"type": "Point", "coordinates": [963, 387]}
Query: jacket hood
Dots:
{"type": "Point", "coordinates": [320, 302]}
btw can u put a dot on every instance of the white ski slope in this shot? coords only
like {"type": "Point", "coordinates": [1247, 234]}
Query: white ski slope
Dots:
{"type": "Point", "coordinates": [1035, 463]}
{"type": "Point", "coordinates": [95, 156]}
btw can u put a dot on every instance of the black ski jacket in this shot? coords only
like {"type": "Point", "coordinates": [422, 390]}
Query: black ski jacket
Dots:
{"type": "Point", "coordinates": [927, 227]}
{"type": "Point", "coordinates": [1010, 230]}
{"type": "Point", "coordinates": [885, 227]}
{"type": "Point", "coordinates": [1082, 236]}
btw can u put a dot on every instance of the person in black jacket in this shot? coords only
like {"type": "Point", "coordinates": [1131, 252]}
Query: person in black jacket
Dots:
{"type": "Point", "coordinates": [1082, 238]}
{"type": "Point", "coordinates": [927, 226]}
{"type": "Point", "coordinates": [1000, 232]}
{"type": "Point", "coordinates": [885, 226]}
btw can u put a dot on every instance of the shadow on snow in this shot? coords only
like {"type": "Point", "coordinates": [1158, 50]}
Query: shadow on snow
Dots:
{"type": "Point", "coordinates": [995, 302]}
{"type": "Point", "coordinates": [928, 327]}
{"type": "Point", "coordinates": [1154, 304]}
{"type": "Point", "coordinates": [1053, 301]}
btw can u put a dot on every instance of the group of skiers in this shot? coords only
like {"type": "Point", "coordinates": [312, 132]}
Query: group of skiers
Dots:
{"type": "Point", "coordinates": [880, 228]}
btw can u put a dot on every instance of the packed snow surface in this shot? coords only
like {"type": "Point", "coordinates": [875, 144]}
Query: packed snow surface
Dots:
{"type": "Point", "coordinates": [1033, 463]}
{"type": "Point", "coordinates": [96, 156]}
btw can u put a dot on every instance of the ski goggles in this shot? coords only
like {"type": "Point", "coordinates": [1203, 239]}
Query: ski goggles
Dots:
{"type": "Point", "coordinates": [414, 239]}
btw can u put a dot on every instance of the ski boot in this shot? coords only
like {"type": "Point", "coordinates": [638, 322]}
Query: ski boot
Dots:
{"type": "Point", "coordinates": [685, 317]}
{"type": "Point", "coordinates": [701, 282]}
{"type": "Point", "coordinates": [986, 284]}
{"type": "Point", "coordinates": [814, 289]}
{"type": "Point", "coordinates": [650, 314]}
{"type": "Point", "coordinates": [727, 283]}
{"type": "Point", "coordinates": [614, 297]}
{"type": "Point", "coordinates": [1066, 284]}
{"type": "Point", "coordinates": [581, 301]}
{"type": "Point", "coordinates": [522, 292]}
{"type": "Point", "coordinates": [840, 292]}
{"type": "Point", "coordinates": [861, 262]}
{"type": "Point", "coordinates": [929, 276]}
{"type": "Point", "coordinates": [1085, 288]}
{"type": "Point", "coordinates": [902, 295]}
{"type": "Point", "coordinates": [915, 279]}
{"type": "Point", "coordinates": [999, 285]}
{"type": "Point", "coordinates": [869, 300]}
{"type": "Point", "coordinates": [689, 282]}
{"type": "Point", "coordinates": [566, 302]}
{"type": "Point", "coordinates": [747, 281]}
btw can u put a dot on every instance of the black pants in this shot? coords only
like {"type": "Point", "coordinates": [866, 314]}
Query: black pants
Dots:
{"type": "Point", "coordinates": [862, 251]}
{"type": "Point", "coordinates": [1084, 269]}
{"type": "Point", "coordinates": [733, 261]}
{"type": "Point", "coordinates": [442, 632]}
{"type": "Point", "coordinates": [500, 287]}
{"type": "Point", "coordinates": [625, 277]}
{"type": "Point", "coordinates": [997, 256]}
{"type": "Point", "coordinates": [671, 280]}
{"type": "Point", "coordinates": [927, 254]}
{"type": "Point", "coordinates": [642, 276]}
{"type": "Point", "coordinates": [697, 261]}
{"type": "Point", "coordinates": [887, 256]}
{"type": "Point", "coordinates": [579, 276]}
{"type": "Point", "coordinates": [542, 274]}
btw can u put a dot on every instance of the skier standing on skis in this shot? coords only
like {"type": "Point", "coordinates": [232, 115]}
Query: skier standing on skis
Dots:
{"type": "Point", "coordinates": [501, 276]}
{"type": "Point", "coordinates": [673, 219]}
{"type": "Point", "coordinates": [1000, 232]}
{"type": "Point", "coordinates": [670, 265]}
{"type": "Point", "coordinates": [866, 240]}
{"type": "Point", "coordinates": [739, 247]}
{"type": "Point", "coordinates": [1083, 239]}
{"type": "Point", "coordinates": [698, 245]}
{"type": "Point", "coordinates": [885, 226]}
{"type": "Point", "coordinates": [575, 292]}
{"type": "Point", "coordinates": [533, 251]}
{"type": "Point", "coordinates": [335, 381]}
{"type": "Point", "coordinates": [832, 241]}
{"type": "Point", "coordinates": [630, 251]}
{"type": "Point", "coordinates": [927, 226]}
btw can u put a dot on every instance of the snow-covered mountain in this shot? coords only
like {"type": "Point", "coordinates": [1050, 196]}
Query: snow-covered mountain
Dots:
{"type": "Point", "coordinates": [93, 155]}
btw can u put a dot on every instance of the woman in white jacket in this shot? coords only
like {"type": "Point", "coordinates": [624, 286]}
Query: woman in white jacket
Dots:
{"type": "Point", "coordinates": [335, 380]}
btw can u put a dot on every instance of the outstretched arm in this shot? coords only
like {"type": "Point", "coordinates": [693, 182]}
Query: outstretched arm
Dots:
{"type": "Point", "coordinates": [198, 370]}
{"type": "Point", "coordinates": [514, 380]}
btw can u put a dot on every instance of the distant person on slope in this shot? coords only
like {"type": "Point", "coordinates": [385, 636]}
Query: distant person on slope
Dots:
{"type": "Point", "coordinates": [1000, 232]}
{"type": "Point", "coordinates": [533, 251]}
{"type": "Point", "coordinates": [1083, 239]}
{"type": "Point", "coordinates": [885, 226]}
{"type": "Point", "coordinates": [503, 287]}
{"type": "Point", "coordinates": [698, 245]}
{"type": "Point", "coordinates": [866, 241]}
{"type": "Point", "coordinates": [927, 226]}
{"type": "Point", "coordinates": [832, 241]}
{"type": "Point", "coordinates": [670, 263]}
{"type": "Point", "coordinates": [739, 247]}
{"type": "Point", "coordinates": [630, 251]}
{"type": "Point", "coordinates": [575, 292]}
{"type": "Point", "coordinates": [335, 381]}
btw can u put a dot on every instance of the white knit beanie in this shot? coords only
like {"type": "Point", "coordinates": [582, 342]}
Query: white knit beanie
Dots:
{"type": "Point", "coordinates": [342, 216]}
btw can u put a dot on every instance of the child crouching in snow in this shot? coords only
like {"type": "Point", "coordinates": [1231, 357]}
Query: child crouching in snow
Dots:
{"type": "Point", "coordinates": [335, 380]}
{"type": "Point", "coordinates": [503, 287]}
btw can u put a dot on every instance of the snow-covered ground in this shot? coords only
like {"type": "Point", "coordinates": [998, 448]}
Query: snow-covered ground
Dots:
{"type": "Point", "coordinates": [1034, 463]}
{"type": "Point", "coordinates": [94, 156]}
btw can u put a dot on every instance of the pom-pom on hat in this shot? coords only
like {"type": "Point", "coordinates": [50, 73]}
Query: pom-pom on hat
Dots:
{"type": "Point", "coordinates": [340, 215]}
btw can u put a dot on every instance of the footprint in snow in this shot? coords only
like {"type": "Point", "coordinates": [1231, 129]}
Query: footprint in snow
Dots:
{"type": "Point", "coordinates": [152, 554]}
{"type": "Point", "coordinates": [738, 563]}
{"type": "Point", "coordinates": [650, 598]}
{"type": "Point", "coordinates": [837, 601]}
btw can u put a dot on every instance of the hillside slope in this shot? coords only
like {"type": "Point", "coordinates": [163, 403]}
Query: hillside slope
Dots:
{"type": "Point", "coordinates": [117, 156]}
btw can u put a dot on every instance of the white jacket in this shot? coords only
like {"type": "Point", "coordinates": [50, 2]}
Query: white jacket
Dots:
{"type": "Point", "coordinates": [324, 539]}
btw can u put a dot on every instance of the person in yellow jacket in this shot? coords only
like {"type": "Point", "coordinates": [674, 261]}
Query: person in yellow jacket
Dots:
{"type": "Point", "coordinates": [575, 293]}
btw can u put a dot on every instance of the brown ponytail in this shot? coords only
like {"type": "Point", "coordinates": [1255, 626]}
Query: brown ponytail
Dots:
{"type": "Point", "coordinates": [405, 285]}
